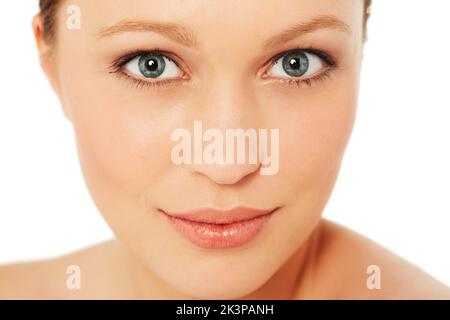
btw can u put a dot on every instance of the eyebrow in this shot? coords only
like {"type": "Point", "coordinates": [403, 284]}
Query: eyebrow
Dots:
{"type": "Point", "coordinates": [186, 36]}
{"type": "Point", "coordinates": [321, 22]}
{"type": "Point", "coordinates": [173, 31]}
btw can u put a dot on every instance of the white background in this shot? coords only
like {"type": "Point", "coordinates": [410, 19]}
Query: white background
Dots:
{"type": "Point", "coordinates": [394, 186]}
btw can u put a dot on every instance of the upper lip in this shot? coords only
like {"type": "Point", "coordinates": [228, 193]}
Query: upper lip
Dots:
{"type": "Point", "coordinates": [217, 216]}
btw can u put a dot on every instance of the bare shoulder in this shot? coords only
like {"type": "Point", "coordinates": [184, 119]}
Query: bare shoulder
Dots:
{"type": "Point", "coordinates": [355, 267]}
{"type": "Point", "coordinates": [55, 278]}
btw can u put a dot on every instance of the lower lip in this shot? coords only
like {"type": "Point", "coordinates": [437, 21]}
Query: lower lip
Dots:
{"type": "Point", "coordinates": [216, 236]}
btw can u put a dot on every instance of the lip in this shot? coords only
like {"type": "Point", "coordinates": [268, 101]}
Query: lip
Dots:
{"type": "Point", "coordinates": [213, 229]}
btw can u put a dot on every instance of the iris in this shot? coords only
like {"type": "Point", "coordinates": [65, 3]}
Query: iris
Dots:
{"type": "Point", "coordinates": [295, 64]}
{"type": "Point", "coordinates": [152, 65]}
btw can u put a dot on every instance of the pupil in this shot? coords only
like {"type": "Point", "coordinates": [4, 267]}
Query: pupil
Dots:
{"type": "Point", "coordinates": [295, 63]}
{"type": "Point", "coordinates": [152, 65]}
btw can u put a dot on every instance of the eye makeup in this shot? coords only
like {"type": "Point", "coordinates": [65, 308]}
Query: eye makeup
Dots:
{"type": "Point", "coordinates": [118, 68]}
{"type": "Point", "coordinates": [328, 61]}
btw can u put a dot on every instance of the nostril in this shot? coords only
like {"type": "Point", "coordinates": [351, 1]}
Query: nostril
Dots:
{"type": "Point", "coordinates": [228, 174]}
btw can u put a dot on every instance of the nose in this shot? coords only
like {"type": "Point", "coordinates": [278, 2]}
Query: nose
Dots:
{"type": "Point", "coordinates": [225, 174]}
{"type": "Point", "coordinates": [229, 106]}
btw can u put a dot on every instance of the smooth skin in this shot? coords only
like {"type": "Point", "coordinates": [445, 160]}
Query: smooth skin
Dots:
{"type": "Point", "coordinates": [123, 131]}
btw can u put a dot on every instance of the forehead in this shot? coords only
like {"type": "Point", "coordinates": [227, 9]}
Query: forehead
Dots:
{"type": "Point", "coordinates": [218, 18]}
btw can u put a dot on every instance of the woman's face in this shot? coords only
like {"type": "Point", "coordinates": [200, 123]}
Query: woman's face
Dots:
{"type": "Point", "coordinates": [224, 66]}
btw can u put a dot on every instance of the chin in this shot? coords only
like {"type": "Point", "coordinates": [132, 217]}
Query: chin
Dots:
{"type": "Point", "coordinates": [218, 290]}
{"type": "Point", "coordinates": [220, 283]}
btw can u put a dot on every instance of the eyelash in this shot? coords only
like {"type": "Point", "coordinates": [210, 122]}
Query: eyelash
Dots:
{"type": "Point", "coordinates": [329, 61]}
{"type": "Point", "coordinates": [117, 69]}
{"type": "Point", "coordinates": [309, 81]}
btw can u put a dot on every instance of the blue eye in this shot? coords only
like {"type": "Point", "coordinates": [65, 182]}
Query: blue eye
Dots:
{"type": "Point", "coordinates": [297, 64]}
{"type": "Point", "coordinates": [153, 65]}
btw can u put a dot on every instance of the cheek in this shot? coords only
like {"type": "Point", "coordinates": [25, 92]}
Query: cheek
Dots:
{"type": "Point", "coordinates": [314, 138]}
{"type": "Point", "coordinates": [122, 147]}
{"type": "Point", "coordinates": [317, 145]}
{"type": "Point", "coordinates": [123, 134]}
{"type": "Point", "coordinates": [119, 150]}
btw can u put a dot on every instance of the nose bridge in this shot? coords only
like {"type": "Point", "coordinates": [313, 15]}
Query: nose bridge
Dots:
{"type": "Point", "coordinates": [230, 102]}
{"type": "Point", "coordinates": [230, 121]}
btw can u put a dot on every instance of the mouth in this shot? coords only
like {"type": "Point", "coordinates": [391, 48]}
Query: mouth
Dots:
{"type": "Point", "coordinates": [214, 229]}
